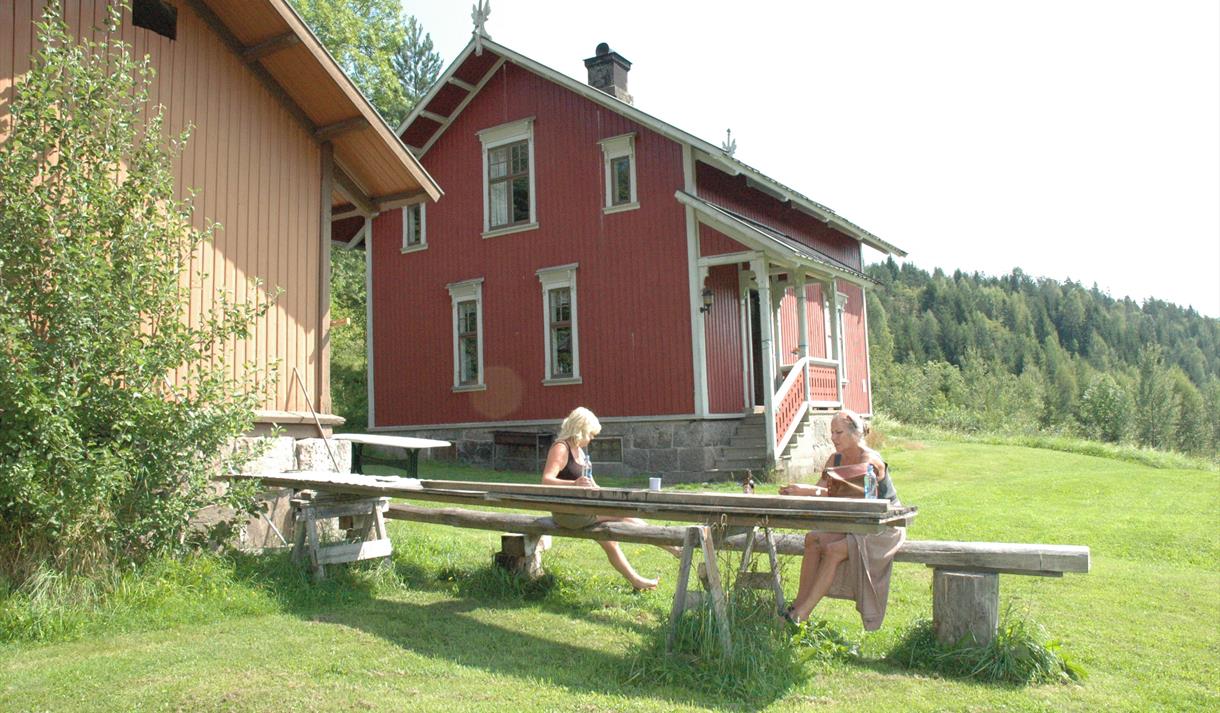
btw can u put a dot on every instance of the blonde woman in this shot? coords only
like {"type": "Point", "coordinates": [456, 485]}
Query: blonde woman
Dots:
{"type": "Point", "coordinates": [567, 463]}
{"type": "Point", "coordinates": [867, 559]}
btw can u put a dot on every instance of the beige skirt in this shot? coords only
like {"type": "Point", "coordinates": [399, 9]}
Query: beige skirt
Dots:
{"type": "Point", "coordinates": [572, 521]}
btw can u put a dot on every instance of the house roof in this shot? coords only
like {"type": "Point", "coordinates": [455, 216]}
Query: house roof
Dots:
{"type": "Point", "coordinates": [376, 171]}
{"type": "Point", "coordinates": [479, 61]}
{"type": "Point", "coordinates": [774, 243]}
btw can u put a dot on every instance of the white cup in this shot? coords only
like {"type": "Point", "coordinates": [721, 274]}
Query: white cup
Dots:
{"type": "Point", "coordinates": [654, 483]}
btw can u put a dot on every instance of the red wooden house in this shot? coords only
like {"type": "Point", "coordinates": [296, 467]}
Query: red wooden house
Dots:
{"type": "Point", "coordinates": [587, 253]}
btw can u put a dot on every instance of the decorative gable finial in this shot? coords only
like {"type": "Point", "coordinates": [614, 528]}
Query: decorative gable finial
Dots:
{"type": "Point", "coordinates": [479, 14]}
{"type": "Point", "coordinates": [729, 145]}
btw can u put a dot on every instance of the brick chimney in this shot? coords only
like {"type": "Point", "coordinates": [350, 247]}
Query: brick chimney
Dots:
{"type": "Point", "coordinates": [608, 72]}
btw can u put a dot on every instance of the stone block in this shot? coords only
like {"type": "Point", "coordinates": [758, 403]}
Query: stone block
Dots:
{"type": "Point", "coordinates": [662, 460]}
{"type": "Point", "coordinates": [635, 459]}
{"type": "Point", "coordinates": [311, 454]}
{"type": "Point", "coordinates": [653, 435]}
{"type": "Point", "coordinates": [695, 459]}
{"type": "Point", "coordinates": [689, 434]}
{"type": "Point", "coordinates": [269, 454]}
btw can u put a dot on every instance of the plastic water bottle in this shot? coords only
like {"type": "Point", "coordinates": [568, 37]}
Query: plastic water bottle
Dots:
{"type": "Point", "coordinates": [870, 482]}
{"type": "Point", "coordinates": [588, 469]}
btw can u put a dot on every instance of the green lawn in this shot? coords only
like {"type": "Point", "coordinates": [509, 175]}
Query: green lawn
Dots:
{"type": "Point", "coordinates": [439, 631]}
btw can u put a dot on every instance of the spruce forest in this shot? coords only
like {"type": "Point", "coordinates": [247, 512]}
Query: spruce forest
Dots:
{"type": "Point", "coordinates": [1023, 355]}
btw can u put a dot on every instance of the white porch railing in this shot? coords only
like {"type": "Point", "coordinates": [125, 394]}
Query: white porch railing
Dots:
{"type": "Point", "coordinates": [812, 381]}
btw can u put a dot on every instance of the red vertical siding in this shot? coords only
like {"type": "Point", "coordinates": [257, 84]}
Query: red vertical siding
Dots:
{"type": "Point", "coordinates": [633, 313]}
{"type": "Point", "coordinates": [725, 370]}
{"type": "Point", "coordinates": [714, 242]}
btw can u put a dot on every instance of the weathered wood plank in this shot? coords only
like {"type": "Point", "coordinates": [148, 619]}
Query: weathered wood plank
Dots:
{"type": "Point", "coordinates": [689, 537]}
{"type": "Point", "coordinates": [753, 502]}
{"type": "Point", "coordinates": [1013, 558]}
{"type": "Point", "coordinates": [354, 551]}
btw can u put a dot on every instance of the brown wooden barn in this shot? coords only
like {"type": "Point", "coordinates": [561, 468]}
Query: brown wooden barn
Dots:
{"type": "Point", "coordinates": [282, 140]}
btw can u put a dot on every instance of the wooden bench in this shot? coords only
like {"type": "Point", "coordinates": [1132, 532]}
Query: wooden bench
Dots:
{"type": "Point", "coordinates": [965, 580]}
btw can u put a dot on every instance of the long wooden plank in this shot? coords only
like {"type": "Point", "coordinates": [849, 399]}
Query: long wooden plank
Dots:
{"type": "Point", "coordinates": [789, 519]}
{"type": "Point", "coordinates": [1007, 557]}
{"type": "Point", "coordinates": [788, 502]}
{"type": "Point", "coordinates": [580, 500]}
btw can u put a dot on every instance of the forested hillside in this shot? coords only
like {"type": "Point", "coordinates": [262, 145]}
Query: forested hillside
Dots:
{"type": "Point", "coordinates": [1019, 354]}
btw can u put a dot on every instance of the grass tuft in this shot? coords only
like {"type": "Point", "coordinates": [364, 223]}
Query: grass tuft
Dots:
{"type": "Point", "coordinates": [762, 665]}
{"type": "Point", "coordinates": [1020, 655]}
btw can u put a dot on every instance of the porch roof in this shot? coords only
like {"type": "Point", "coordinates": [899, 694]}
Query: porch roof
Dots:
{"type": "Point", "coordinates": [775, 243]}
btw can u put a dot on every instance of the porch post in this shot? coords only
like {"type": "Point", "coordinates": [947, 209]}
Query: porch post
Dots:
{"type": "Point", "coordinates": [832, 304]}
{"type": "Point", "coordinates": [767, 316]}
{"type": "Point", "coordinates": [802, 327]}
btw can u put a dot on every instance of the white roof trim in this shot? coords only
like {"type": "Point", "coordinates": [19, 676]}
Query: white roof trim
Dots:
{"type": "Point", "coordinates": [712, 155]}
{"type": "Point", "coordinates": [754, 238]}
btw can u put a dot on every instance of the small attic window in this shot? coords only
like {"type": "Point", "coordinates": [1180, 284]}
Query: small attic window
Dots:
{"type": "Point", "coordinates": [157, 16]}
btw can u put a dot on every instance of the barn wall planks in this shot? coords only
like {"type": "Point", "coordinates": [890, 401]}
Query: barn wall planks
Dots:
{"type": "Point", "coordinates": [254, 170]}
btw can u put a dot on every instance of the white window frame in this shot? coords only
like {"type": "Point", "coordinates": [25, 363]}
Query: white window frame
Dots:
{"type": "Point", "coordinates": [612, 148]}
{"type": "Point", "coordinates": [494, 137]}
{"type": "Point", "coordinates": [423, 226]}
{"type": "Point", "coordinates": [459, 292]}
{"type": "Point", "coordinates": [552, 278]}
{"type": "Point", "coordinates": [840, 305]}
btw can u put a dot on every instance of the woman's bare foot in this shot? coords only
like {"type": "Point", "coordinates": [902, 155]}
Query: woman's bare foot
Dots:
{"type": "Point", "coordinates": [642, 584]}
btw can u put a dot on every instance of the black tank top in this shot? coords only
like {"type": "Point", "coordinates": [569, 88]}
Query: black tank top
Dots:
{"type": "Point", "coordinates": [573, 469]}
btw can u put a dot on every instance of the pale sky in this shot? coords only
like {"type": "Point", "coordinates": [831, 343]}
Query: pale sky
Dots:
{"type": "Point", "coordinates": [1070, 138]}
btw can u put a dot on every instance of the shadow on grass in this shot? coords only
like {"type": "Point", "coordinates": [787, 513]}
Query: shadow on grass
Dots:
{"type": "Point", "coordinates": [466, 631]}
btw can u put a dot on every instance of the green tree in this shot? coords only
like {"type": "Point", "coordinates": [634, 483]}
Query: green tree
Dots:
{"type": "Point", "coordinates": [1194, 431]}
{"type": "Point", "coordinates": [114, 410]}
{"type": "Point", "coordinates": [1105, 410]}
{"type": "Point", "coordinates": [1156, 409]}
{"type": "Point", "coordinates": [379, 47]}
{"type": "Point", "coordinates": [417, 63]}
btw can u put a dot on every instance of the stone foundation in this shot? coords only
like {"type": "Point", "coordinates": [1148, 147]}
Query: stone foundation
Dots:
{"type": "Point", "coordinates": [680, 451]}
{"type": "Point", "coordinates": [278, 454]}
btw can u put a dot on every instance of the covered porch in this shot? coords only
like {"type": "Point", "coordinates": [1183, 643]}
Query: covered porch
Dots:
{"type": "Point", "coordinates": [772, 326]}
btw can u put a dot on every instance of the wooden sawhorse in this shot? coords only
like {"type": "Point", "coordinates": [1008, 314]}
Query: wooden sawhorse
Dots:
{"type": "Point", "coordinates": [366, 533]}
{"type": "Point", "coordinates": [709, 576]}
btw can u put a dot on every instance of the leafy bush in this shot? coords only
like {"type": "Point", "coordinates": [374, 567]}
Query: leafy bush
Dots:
{"type": "Point", "coordinates": [115, 410]}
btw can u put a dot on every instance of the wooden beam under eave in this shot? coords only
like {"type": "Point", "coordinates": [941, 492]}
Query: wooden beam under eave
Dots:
{"type": "Point", "coordinates": [271, 46]}
{"type": "Point", "coordinates": [326, 133]}
{"type": "Point", "coordinates": [264, 77]}
{"type": "Point", "coordinates": [397, 200]}
{"type": "Point", "coordinates": [349, 190]}
{"type": "Point", "coordinates": [442, 120]}
{"type": "Point", "coordinates": [460, 84]}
